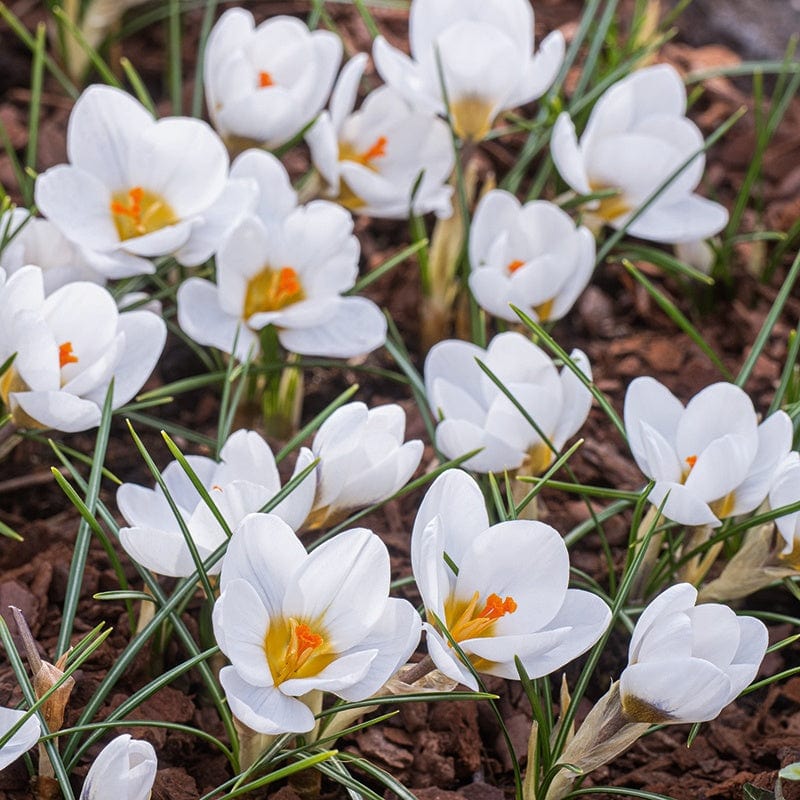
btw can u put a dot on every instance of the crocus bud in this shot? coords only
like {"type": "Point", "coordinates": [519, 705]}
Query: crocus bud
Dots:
{"type": "Point", "coordinates": [124, 770]}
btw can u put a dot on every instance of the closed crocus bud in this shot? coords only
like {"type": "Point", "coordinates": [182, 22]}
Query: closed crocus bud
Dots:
{"type": "Point", "coordinates": [711, 459]}
{"type": "Point", "coordinates": [137, 187]}
{"type": "Point", "coordinates": [532, 256]}
{"type": "Point", "coordinates": [501, 591]}
{"type": "Point", "coordinates": [687, 662]}
{"type": "Point", "coordinates": [372, 159]}
{"type": "Point", "coordinates": [265, 83]}
{"type": "Point", "coordinates": [481, 50]}
{"type": "Point", "coordinates": [636, 138]}
{"type": "Point", "coordinates": [785, 491]}
{"type": "Point", "coordinates": [124, 770]}
{"type": "Point", "coordinates": [69, 347]}
{"type": "Point", "coordinates": [243, 481]}
{"type": "Point", "coordinates": [475, 413]}
{"type": "Point", "coordinates": [362, 460]}
{"type": "Point", "coordinates": [21, 740]}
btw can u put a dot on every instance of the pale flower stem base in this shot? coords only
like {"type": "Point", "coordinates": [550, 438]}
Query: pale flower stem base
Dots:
{"type": "Point", "coordinates": [283, 404]}
{"type": "Point", "coordinates": [251, 744]}
{"type": "Point", "coordinates": [651, 553]}
{"type": "Point", "coordinates": [697, 568]}
{"type": "Point", "coordinates": [9, 439]}
{"type": "Point", "coordinates": [519, 490]}
{"type": "Point", "coordinates": [605, 733]}
{"type": "Point", "coordinates": [436, 321]}
{"type": "Point", "coordinates": [147, 611]}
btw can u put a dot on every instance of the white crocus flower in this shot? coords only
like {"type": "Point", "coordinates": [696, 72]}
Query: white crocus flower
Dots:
{"type": "Point", "coordinates": [475, 413]}
{"type": "Point", "coordinates": [137, 188]}
{"type": "Point", "coordinates": [33, 240]}
{"type": "Point", "coordinates": [293, 623]}
{"type": "Point", "coordinates": [242, 482]}
{"type": "Point", "coordinates": [785, 490]}
{"type": "Point", "coordinates": [373, 158]}
{"type": "Point", "coordinates": [290, 275]}
{"type": "Point", "coordinates": [687, 662]}
{"type": "Point", "coordinates": [362, 460]}
{"type": "Point", "coordinates": [485, 48]}
{"type": "Point", "coordinates": [264, 84]}
{"type": "Point", "coordinates": [69, 346]}
{"type": "Point", "coordinates": [124, 770]}
{"type": "Point", "coordinates": [500, 591]}
{"type": "Point", "coordinates": [25, 737]}
{"type": "Point", "coordinates": [636, 138]}
{"type": "Point", "coordinates": [532, 256]}
{"type": "Point", "coordinates": [711, 459]}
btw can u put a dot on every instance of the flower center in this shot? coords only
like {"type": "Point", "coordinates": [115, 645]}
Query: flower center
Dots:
{"type": "Point", "coordinates": [609, 208]}
{"type": "Point", "coordinates": [514, 266]}
{"type": "Point", "coordinates": [690, 462]}
{"type": "Point", "coordinates": [65, 355]}
{"type": "Point", "coordinates": [464, 621]}
{"type": "Point", "coordinates": [272, 290]}
{"type": "Point", "coordinates": [265, 80]}
{"type": "Point", "coordinates": [138, 211]}
{"type": "Point", "coordinates": [347, 152]}
{"type": "Point", "coordinates": [295, 649]}
{"type": "Point", "coordinates": [471, 118]}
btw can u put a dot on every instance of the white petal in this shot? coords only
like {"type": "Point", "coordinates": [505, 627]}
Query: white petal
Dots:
{"type": "Point", "coordinates": [297, 505]}
{"type": "Point", "coordinates": [264, 709]}
{"type": "Point", "coordinates": [59, 410]}
{"type": "Point", "coordinates": [682, 505]}
{"type": "Point", "coordinates": [567, 155]}
{"type": "Point", "coordinates": [649, 401]}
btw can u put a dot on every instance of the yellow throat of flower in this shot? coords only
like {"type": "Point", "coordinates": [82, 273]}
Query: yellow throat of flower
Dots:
{"type": "Point", "coordinates": [471, 618]}
{"type": "Point", "coordinates": [367, 158]}
{"type": "Point", "coordinates": [138, 212]}
{"type": "Point", "coordinates": [271, 290]}
{"type": "Point", "coordinates": [296, 649]}
{"type": "Point", "coordinates": [471, 118]}
{"type": "Point", "coordinates": [609, 208]}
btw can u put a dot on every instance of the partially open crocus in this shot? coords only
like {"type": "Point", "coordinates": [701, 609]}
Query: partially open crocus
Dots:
{"type": "Point", "coordinates": [372, 159]}
{"type": "Point", "coordinates": [473, 412]}
{"type": "Point", "coordinates": [485, 49]}
{"type": "Point", "coordinates": [33, 240]}
{"type": "Point", "coordinates": [785, 491]}
{"type": "Point", "coordinates": [637, 137]}
{"type": "Point", "coordinates": [362, 460]}
{"type": "Point", "coordinates": [500, 591]}
{"type": "Point", "coordinates": [532, 256]}
{"type": "Point", "coordinates": [290, 275]}
{"type": "Point", "coordinates": [687, 662]}
{"type": "Point", "coordinates": [136, 187]}
{"type": "Point", "coordinates": [22, 740]}
{"type": "Point", "coordinates": [711, 459]}
{"type": "Point", "coordinates": [243, 481]}
{"type": "Point", "coordinates": [293, 624]}
{"type": "Point", "coordinates": [69, 346]}
{"type": "Point", "coordinates": [265, 83]}
{"type": "Point", "coordinates": [124, 770]}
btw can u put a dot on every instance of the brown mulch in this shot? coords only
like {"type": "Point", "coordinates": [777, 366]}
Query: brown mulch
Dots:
{"type": "Point", "coordinates": [453, 750]}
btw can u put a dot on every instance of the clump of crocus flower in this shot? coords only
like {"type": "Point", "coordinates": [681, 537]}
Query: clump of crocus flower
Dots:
{"type": "Point", "coordinates": [531, 256]}
{"type": "Point", "coordinates": [243, 481]}
{"type": "Point", "coordinates": [265, 83]}
{"type": "Point", "coordinates": [499, 591]}
{"type": "Point", "coordinates": [69, 348]}
{"type": "Point", "coordinates": [470, 60]}
{"type": "Point", "coordinates": [709, 460]}
{"type": "Point", "coordinates": [295, 624]}
{"type": "Point", "coordinates": [137, 187]}
{"type": "Point", "coordinates": [386, 160]}
{"type": "Point", "coordinates": [474, 413]}
{"type": "Point", "coordinates": [637, 137]}
{"type": "Point", "coordinates": [362, 460]}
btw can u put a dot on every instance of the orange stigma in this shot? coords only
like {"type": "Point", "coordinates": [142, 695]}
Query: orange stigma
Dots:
{"type": "Point", "coordinates": [306, 639]}
{"type": "Point", "coordinates": [515, 265]}
{"type": "Point", "coordinates": [288, 283]}
{"type": "Point", "coordinates": [265, 80]}
{"type": "Point", "coordinates": [378, 150]}
{"type": "Point", "coordinates": [464, 621]}
{"type": "Point", "coordinates": [65, 355]}
{"type": "Point", "coordinates": [691, 461]}
{"type": "Point", "coordinates": [134, 207]}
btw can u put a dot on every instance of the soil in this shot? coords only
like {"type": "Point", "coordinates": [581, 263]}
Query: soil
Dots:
{"type": "Point", "coordinates": [453, 750]}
